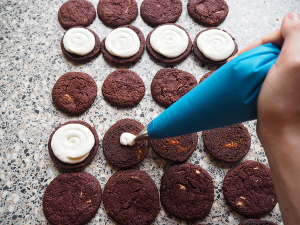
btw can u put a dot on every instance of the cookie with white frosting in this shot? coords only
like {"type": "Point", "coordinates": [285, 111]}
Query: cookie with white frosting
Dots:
{"type": "Point", "coordinates": [169, 43]}
{"type": "Point", "coordinates": [124, 45]}
{"type": "Point", "coordinates": [80, 44]}
{"type": "Point", "coordinates": [123, 88]}
{"type": "Point", "coordinates": [214, 46]}
{"type": "Point", "coordinates": [156, 12]}
{"type": "Point", "coordinates": [118, 154]}
{"type": "Point", "coordinates": [72, 198]}
{"type": "Point", "coordinates": [76, 13]}
{"type": "Point", "coordinates": [73, 145]}
{"type": "Point", "coordinates": [115, 13]}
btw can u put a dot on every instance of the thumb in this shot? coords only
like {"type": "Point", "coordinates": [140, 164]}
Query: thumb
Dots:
{"type": "Point", "coordinates": [290, 30]}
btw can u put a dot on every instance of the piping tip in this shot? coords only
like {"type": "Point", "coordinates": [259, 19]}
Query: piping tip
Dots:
{"type": "Point", "coordinates": [143, 135]}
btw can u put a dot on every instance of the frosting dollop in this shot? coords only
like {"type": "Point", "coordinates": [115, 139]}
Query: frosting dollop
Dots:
{"type": "Point", "coordinates": [127, 139]}
{"type": "Point", "coordinates": [169, 40]}
{"type": "Point", "coordinates": [215, 44]}
{"type": "Point", "coordinates": [122, 42]}
{"type": "Point", "coordinates": [79, 41]}
{"type": "Point", "coordinates": [72, 143]}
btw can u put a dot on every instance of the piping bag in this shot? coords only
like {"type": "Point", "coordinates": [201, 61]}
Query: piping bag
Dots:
{"type": "Point", "coordinates": [227, 97]}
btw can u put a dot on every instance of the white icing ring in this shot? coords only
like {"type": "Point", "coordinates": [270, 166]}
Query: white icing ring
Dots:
{"type": "Point", "coordinates": [72, 143]}
{"type": "Point", "coordinates": [215, 44]}
{"type": "Point", "coordinates": [122, 42]}
{"type": "Point", "coordinates": [169, 40]}
{"type": "Point", "coordinates": [127, 139]}
{"type": "Point", "coordinates": [79, 41]}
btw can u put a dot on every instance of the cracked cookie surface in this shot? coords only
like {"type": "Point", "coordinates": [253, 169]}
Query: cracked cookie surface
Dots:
{"type": "Point", "coordinates": [168, 85]}
{"type": "Point", "coordinates": [187, 191]}
{"type": "Point", "coordinates": [156, 12]}
{"type": "Point", "coordinates": [208, 12]}
{"type": "Point", "coordinates": [248, 189]}
{"type": "Point", "coordinates": [72, 198]}
{"type": "Point", "coordinates": [116, 13]}
{"type": "Point", "coordinates": [131, 197]}
{"type": "Point", "coordinates": [74, 92]}
{"type": "Point", "coordinates": [123, 88]}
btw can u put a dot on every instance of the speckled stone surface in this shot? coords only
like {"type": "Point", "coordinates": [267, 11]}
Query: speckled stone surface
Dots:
{"type": "Point", "coordinates": [31, 61]}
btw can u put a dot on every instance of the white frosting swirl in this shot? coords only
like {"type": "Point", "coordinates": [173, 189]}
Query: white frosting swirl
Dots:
{"type": "Point", "coordinates": [169, 40]}
{"type": "Point", "coordinates": [79, 41]}
{"type": "Point", "coordinates": [215, 44]}
{"type": "Point", "coordinates": [127, 139]}
{"type": "Point", "coordinates": [122, 42]}
{"type": "Point", "coordinates": [72, 143]}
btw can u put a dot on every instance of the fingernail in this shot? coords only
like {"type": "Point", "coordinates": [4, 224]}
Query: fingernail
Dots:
{"type": "Point", "coordinates": [294, 16]}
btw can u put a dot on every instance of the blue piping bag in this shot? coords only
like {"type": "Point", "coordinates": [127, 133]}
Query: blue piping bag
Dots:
{"type": "Point", "coordinates": [227, 97]}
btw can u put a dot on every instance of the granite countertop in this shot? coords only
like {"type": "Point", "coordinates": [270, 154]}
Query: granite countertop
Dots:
{"type": "Point", "coordinates": [31, 62]}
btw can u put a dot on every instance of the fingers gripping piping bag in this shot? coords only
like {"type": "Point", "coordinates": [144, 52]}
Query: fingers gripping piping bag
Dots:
{"type": "Point", "coordinates": [227, 97]}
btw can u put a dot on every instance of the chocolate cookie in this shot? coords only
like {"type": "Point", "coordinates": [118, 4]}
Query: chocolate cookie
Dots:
{"type": "Point", "coordinates": [156, 12]}
{"type": "Point", "coordinates": [256, 222]}
{"type": "Point", "coordinates": [132, 59]}
{"type": "Point", "coordinates": [161, 58]}
{"type": "Point", "coordinates": [203, 58]}
{"type": "Point", "coordinates": [76, 13]}
{"type": "Point", "coordinates": [206, 75]}
{"type": "Point", "coordinates": [83, 58]}
{"type": "Point", "coordinates": [187, 192]}
{"type": "Point", "coordinates": [208, 12]}
{"type": "Point", "coordinates": [74, 92]}
{"type": "Point", "coordinates": [123, 88]}
{"type": "Point", "coordinates": [77, 166]}
{"type": "Point", "coordinates": [116, 13]}
{"type": "Point", "coordinates": [72, 198]}
{"type": "Point", "coordinates": [248, 189]}
{"type": "Point", "coordinates": [230, 143]}
{"type": "Point", "coordinates": [168, 85]}
{"type": "Point", "coordinates": [124, 156]}
{"type": "Point", "coordinates": [131, 197]}
{"type": "Point", "coordinates": [176, 149]}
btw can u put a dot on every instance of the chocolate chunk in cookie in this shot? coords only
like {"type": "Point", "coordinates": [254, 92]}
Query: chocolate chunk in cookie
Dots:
{"type": "Point", "coordinates": [123, 88]}
{"type": "Point", "coordinates": [76, 13]}
{"type": "Point", "coordinates": [131, 197]}
{"type": "Point", "coordinates": [187, 192]}
{"type": "Point", "coordinates": [116, 13]}
{"type": "Point", "coordinates": [74, 92]}
{"type": "Point", "coordinates": [168, 85]}
{"type": "Point", "coordinates": [72, 198]}
{"type": "Point", "coordinates": [208, 12]}
{"type": "Point", "coordinates": [248, 189]}
{"type": "Point", "coordinates": [156, 12]}
{"type": "Point", "coordinates": [176, 149]}
{"type": "Point", "coordinates": [230, 143]}
{"type": "Point", "coordinates": [120, 155]}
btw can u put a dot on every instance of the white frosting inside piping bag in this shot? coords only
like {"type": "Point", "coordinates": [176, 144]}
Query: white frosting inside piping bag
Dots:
{"type": "Point", "coordinates": [122, 42]}
{"type": "Point", "coordinates": [79, 41]}
{"type": "Point", "coordinates": [215, 44]}
{"type": "Point", "coordinates": [127, 139]}
{"type": "Point", "coordinates": [169, 40]}
{"type": "Point", "coordinates": [72, 143]}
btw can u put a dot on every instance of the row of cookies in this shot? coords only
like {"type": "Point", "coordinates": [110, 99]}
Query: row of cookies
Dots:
{"type": "Point", "coordinates": [167, 43]}
{"type": "Point", "coordinates": [115, 13]}
{"type": "Point", "coordinates": [186, 191]}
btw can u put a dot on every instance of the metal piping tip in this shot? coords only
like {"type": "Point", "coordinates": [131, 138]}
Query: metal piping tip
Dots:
{"type": "Point", "coordinates": [143, 135]}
